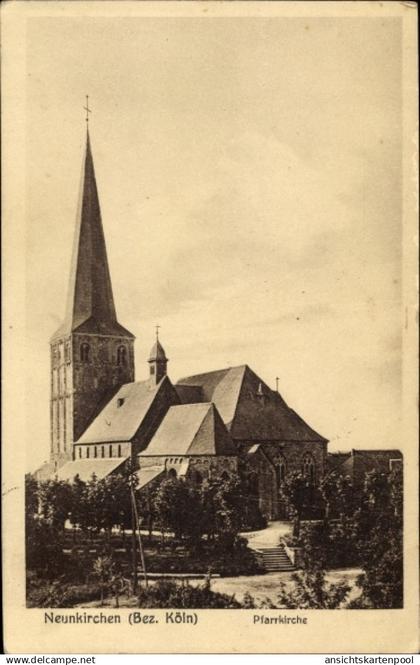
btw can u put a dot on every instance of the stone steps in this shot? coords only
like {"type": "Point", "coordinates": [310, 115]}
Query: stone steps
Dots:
{"type": "Point", "coordinates": [275, 559]}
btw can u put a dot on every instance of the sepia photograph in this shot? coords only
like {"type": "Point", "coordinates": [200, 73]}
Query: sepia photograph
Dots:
{"type": "Point", "coordinates": [214, 361]}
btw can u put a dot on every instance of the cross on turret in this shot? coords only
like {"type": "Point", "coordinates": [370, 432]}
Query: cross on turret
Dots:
{"type": "Point", "coordinates": [87, 109]}
{"type": "Point", "coordinates": [157, 360]}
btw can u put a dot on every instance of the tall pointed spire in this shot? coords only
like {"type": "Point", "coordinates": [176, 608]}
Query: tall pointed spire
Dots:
{"type": "Point", "coordinates": [90, 303]}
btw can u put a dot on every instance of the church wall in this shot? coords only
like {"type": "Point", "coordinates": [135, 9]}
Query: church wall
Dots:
{"type": "Point", "coordinates": [102, 450]}
{"type": "Point", "coordinates": [98, 376]}
{"type": "Point", "coordinates": [272, 460]}
{"type": "Point", "coordinates": [80, 385]}
{"type": "Point", "coordinates": [206, 465]}
{"type": "Point", "coordinates": [213, 465]}
{"type": "Point", "coordinates": [294, 452]}
{"type": "Point", "coordinates": [261, 480]}
{"type": "Point", "coordinates": [61, 406]}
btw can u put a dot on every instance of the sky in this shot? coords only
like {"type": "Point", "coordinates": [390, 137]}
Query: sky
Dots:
{"type": "Point", "coordinates": [249, 174]}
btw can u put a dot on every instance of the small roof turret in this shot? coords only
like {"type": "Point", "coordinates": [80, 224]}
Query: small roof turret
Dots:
{"type": "Point", "coordinates": [157, 353]}
{"type": "Point", "coordinates": [157, 360]}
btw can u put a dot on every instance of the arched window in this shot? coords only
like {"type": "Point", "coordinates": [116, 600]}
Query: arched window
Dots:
{"type": "Point", "coordinates": [197, 478]}
{"type": "Point", "coordinates": [67, 352]}
{"type": "Point", "coordinates": [281, 470]}
{"type": "Point", "coordinates": [122, 356]}
{"type": "Point", "coordinates": [254, 487]}
{"type": "Point", "coordinates": [95, 452]}
{"type": "Point", "coordinates": [55, 356]}
{"type": "Point", "coordinates": [88, 452]}
{"type": "Point", "coordinates": [84, 352]}
{"type": "Point", "coordinates": [172, 473]}
{"type": "Point", "coordinates": [110, 451]}
{"type": "Point", "coordinates": [80, 452]}
{"type": "Point", "coordinates": [308, 467]}
{"type": "Point", "coordinates": [119, 450]}
{"type": "Point", "coordinates": [102, 451]}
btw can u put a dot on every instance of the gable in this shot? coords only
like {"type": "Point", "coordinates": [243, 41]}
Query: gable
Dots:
{"type": "Point", "coordinates": [263, 415]}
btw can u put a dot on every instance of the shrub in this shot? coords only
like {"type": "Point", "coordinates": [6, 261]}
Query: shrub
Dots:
{"type": "Point", "coordinates": [44, 548]}
{"type": "Point", "coordinates": [58, 594]}
{"type": "Point", "coordinates": [170, 594]}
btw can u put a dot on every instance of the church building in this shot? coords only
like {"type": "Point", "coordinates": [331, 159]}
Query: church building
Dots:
{"type": "Point", "coordinates": [199, 426]}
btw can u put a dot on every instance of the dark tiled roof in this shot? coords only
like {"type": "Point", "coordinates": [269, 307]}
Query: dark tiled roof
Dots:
{"type": "Point", "coordinates": [191, 429]}
{"type": "Point", "coordinates": [189, 394]}
{"type": "Point", "coordinates": [249, 408]}
{"type": "Point", "coordinates": [122, 416]}
{"type": "Point", "coordinates": [335, 460]}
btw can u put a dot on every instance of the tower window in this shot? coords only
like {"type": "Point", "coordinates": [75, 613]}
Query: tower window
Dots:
{"type": "Point", "coordinates": [122, 356]}
{"type": "Point", "coordinates": [152, 369]}
{"type": "Point", "coordinates": [120, 401]}
{"type": "Point", "coordinates": [55, 355]}
{"type": "Point", "coordinates": [308, 467]}
{"type": "Point", "coordinates": [85, 352]}
{"type": "Point", "coordinates": [88, 452]}
{"type": "Point", "coordinates": [80, 452]}
{"type": "Point", "coordinates": [102, 451]}
{"type": "Point", "coordinates": [119, 450]}
{"type": "Point", "coordinates": [110, 451]}
{"type": "Point", "coordinates": [95, 452]}
{"type": "Point", "coordinates": [67, 352]}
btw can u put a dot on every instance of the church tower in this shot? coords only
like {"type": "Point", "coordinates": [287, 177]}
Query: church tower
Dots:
{"type": "Point", "coordinates": [92, 355]}
{"type": "Point", "coordinates": [158, 361]}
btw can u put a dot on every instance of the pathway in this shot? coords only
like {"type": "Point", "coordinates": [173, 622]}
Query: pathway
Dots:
{"type": "Point", "coordinates": [268, 537]}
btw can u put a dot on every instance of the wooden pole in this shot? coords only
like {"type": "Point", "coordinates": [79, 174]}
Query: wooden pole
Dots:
{"type": "Point", "coordinates": [143, 561]}
{"type": "Point", "coordinates": [133, 544]}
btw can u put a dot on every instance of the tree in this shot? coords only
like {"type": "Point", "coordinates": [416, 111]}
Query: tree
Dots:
{"type": "Point", "coordinates": [56, 501]}
{"type": "Point", "coordinates": [108, 577]}
{"type": "Point", "coordinates": [379, 537]}
{"type": "Point", "coordinates": [31, 496]}
{"type": "Point", "coordinates": [44, 547]}
{"type": "Point", "coordinates": [146, 501]}
{"type": "Point", "coordinates": [301, 497]}
{"type": "Point", "coordinates": [312, 591]}
{"type": "Point", "coordinates": [338, 496]}
{"type": "Point", "coordinates": [171, 504]}
{"type": "Point", "coordinates": [222, 498]}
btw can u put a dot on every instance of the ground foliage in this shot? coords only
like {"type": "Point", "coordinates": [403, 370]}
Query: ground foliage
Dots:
{"type": "Point", "coordinates": [171, 594]}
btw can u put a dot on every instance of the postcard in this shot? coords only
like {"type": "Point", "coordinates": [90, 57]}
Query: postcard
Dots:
{"type": "Point", "coordinates": [209, 327]}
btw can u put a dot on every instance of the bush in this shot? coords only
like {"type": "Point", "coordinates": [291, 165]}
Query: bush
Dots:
{"type": "Point", "coordinates": [41, 593]}
{"type": "Point", "coordinates": [310, 590]}
{"type": "Point", "coordinates": [169, 594]}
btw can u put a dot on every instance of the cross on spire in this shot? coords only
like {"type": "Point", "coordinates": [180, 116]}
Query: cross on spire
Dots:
{"type": "Point", "coordinates": [87, 109]}
{"type": "Point", "coordinates": [157, 331]}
